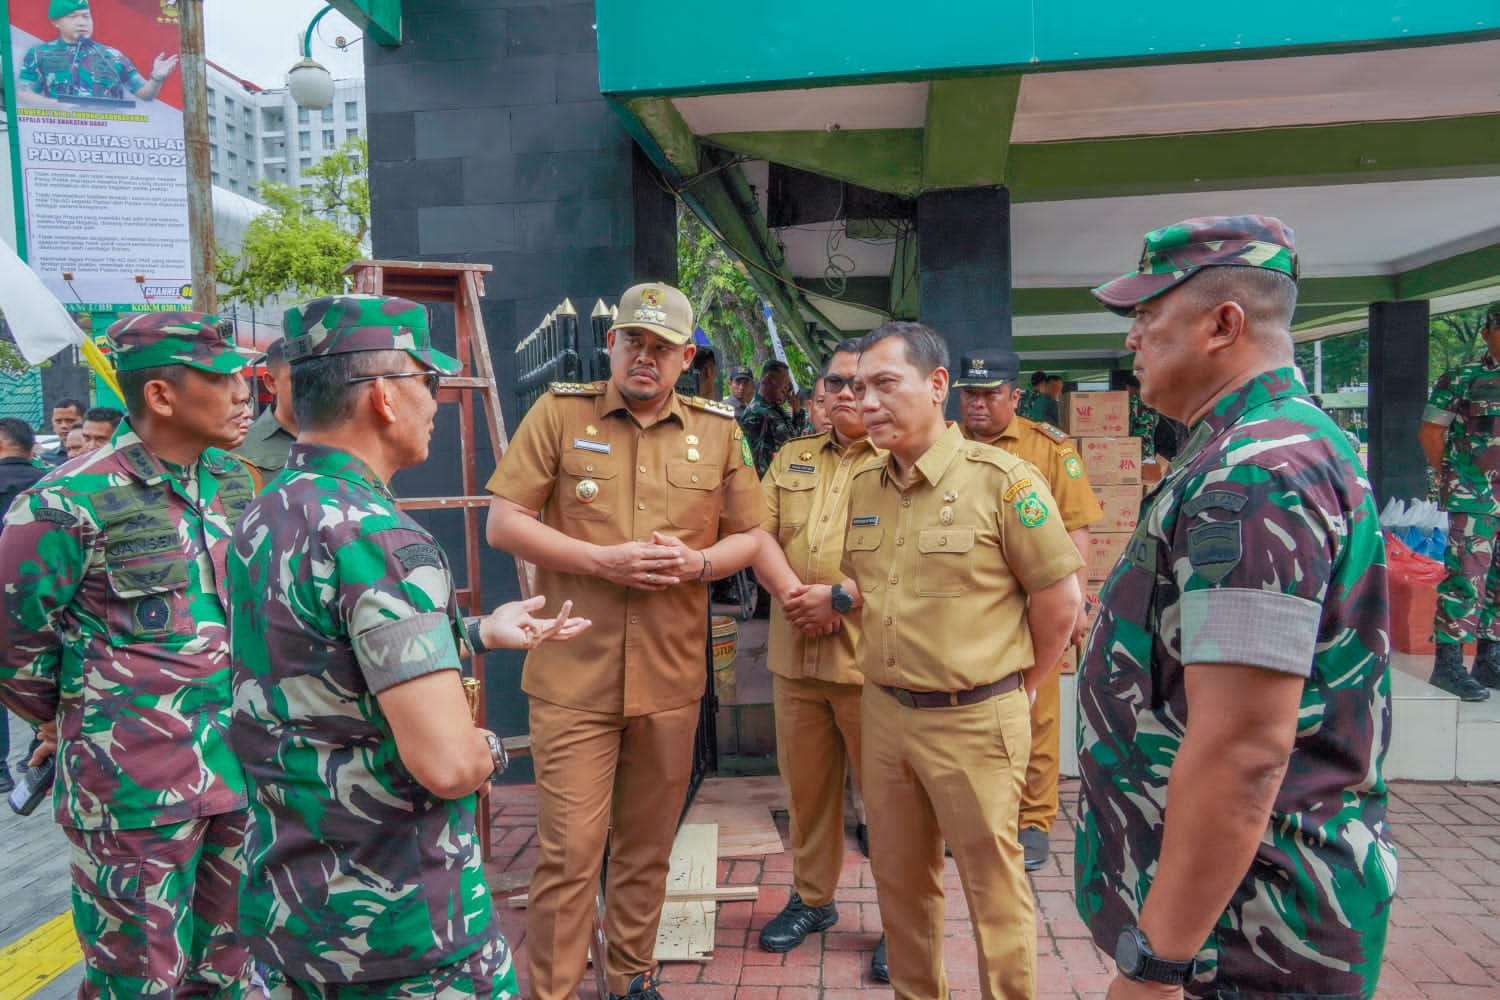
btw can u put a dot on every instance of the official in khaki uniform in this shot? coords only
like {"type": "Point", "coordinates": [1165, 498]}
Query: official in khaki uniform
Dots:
{"type": "Point", "coordinates": [643, 497]}
{"type": "Point", "coordinates": [988, 393]}
{"type": "Point", "coordinates": [969, 589]}
{"type": "Point", "coordinates": [815, 685]}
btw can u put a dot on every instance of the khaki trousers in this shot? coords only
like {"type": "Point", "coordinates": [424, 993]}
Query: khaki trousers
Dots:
{"type": "Point", "coordinates": [954, 775]}
{"type": "Point", "coordinates": [1039, 797]}
{"type": "Point", "coordinates": [594, 769]}
{"type": "Point", "coordinates": [817, 742]}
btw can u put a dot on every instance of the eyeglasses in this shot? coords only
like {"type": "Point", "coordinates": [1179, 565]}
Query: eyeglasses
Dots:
{"type": "Point", "coordinates": [835, 384]}
{"type": "Point", "coordinates": [432, 379]}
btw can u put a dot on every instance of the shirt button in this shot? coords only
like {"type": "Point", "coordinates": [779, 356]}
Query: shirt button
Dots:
{"type": "Point", "coordinates": [588, 468]}
{"type": "Point", "coordinates": [890, 661]}
{"type": "Point", "coordinates": [895, 580]}
{"type": "Point", "coordinates": [812, 548]}
{"type": "Point", "coordinates": [825, 517]}
{"type": "Point", "coordinates": [635, 619]}
{"type": "Point", "coordinates": [906, 502]}
{"type": "Point", "coordinates": [835, 489]}
{"type": "Point", "coordinates": [640, 506]}
{"type": "Point", "coordinates": [643, 470]}
{"type": "Point", "coordinates": [943, 540]}
{"type": "Point", "coordinates": [900, 541]}
{"type": "Point", "coordinates": [695, 479]}
{"type": "Point", "coordinates": [889, 620]}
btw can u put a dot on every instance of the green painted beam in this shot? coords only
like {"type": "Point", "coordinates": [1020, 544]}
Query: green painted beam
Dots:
{"type": "Point", "coordinates": [966, 141]}
{"type": "Point", "coordinates": [678, 144]}
{"type": "Point", "coordinates": [1259, 158]}
{"type": "Point", "coordinates": [867, 293]}
{"type": "Point", "coordinates": [888, 160]}
{"type": "Point", "coordinates": [718, 48]}
{"type": "Point", "coordinates": [380, 18]}
{"type": "Point", "coordinates": [1459, 273]}
{"type": "Point", "coordinates": [904, 286]}
{"type": "Point", "coordinates": [1103, 344]}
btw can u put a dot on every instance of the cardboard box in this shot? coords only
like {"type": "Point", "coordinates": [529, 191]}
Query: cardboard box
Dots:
{"type": "Point", "coordinates": [1105, 549]}
{"type": "Point", "coordinates": [1096, 414]}
{"type": "Point", "coordinates": [1110, 460]}
{"type": "Point", "coordinates": [1154, 469]}
{"type": "Point", "coordinates": [1122, 505]}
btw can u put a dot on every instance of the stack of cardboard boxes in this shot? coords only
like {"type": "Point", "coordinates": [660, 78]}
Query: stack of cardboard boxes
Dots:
{"type": "Point", "coordinates": [1099, 423]}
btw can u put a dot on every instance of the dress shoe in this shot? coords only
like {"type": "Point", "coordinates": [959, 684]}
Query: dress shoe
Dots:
{"type": "Point", "coordinates": [795, 922]}
{"type": "Point", "coordinates": [1034, 847]}
{"type": "Point", "coordinates": [880, 969]}
{"type": "Point", "coordinates": [642, 987]}
{"type": "Point", "coordinates": [862, 838]}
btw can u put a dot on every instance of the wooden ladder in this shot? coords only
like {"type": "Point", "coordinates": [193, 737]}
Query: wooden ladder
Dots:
{"type": "Point", "coordinates": [462, 285]}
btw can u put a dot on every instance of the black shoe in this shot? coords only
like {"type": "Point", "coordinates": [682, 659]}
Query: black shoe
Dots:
{"type": "Point", "coordinates": [1448, 674]}
{"type": "Point", "coordinates": [795, 922]}
{"type": "Point", "coordinates": [6, 781]}
{"type": "Point", "coordinates": [862, 838]}
{"type": "Point", "coordinates": [1487, 664]}
{"type": "Point", "coordinates": [880, 969]}
{"type": "Point", "coordinates": [643, 987]}
{"type": "Point", "coordinates": [1033, 847]}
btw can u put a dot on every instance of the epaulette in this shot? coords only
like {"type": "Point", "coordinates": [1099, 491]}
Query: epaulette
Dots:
{"type": "Point", "coordinates": [711, 405]}
{"type": "Point", "coordinates": [990, 455]}
{"type": "Point", "coordinates": [1052, 432]}
{"type": "Point", "coordinates": [577, 388]}
{"type": "Point", "coordinates": [804, 437]}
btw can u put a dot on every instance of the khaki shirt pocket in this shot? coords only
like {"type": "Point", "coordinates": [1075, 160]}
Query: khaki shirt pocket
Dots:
{"type": "Point", "coordinates": [588, 489]}
{"type": "Point", "coordinates": [693, 494]}
{"type": "Point", "coordinates": [794, 505]}
{"type": "Point", "coordinates": [942, 558]}
{"type": "Point", "coordinates": [862, 553]}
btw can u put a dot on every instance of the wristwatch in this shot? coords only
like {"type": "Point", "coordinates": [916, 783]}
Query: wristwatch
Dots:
{"type": "Point", "coordinates": [1137, 961]}
{"type": "Point", "coordinates": [842, 600]}
{"type": "Point", "coordinates": [498, 754]}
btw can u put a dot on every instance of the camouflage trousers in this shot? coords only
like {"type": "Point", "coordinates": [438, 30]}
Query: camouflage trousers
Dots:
{"type": "Point", "coordinates": [156, 909]}
{"type": "Point", "coordinates": [1469, 596]}
{"type": "Point", "coordinates": [485, 972]}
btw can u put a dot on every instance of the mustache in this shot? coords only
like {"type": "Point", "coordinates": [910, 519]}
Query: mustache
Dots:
{"type": "Point", "coordinates": [643, 370]}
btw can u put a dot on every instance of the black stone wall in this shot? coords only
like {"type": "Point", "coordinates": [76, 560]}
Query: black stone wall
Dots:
{"type": "Point", "coordinates": [1398, 394]}
{"type": "Point", "coordinates": [490, 143]}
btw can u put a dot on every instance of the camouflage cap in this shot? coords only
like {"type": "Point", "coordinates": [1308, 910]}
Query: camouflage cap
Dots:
{"type": "Point", "coordinates": [1492, 314]}
{"type": "Point", "coordinates": [198, 340]}
{"type": "Point", "coordinates": [347, 324]}
{"type": "Point", "coordinates": [740, 371]}
{"type": "Point", "coordinates": [987, 369]}
{"type": "Point", "coordinates": [62, 8]}
{"type": "Point", "coordinates": [1176, 253]}
{"type": "Point", "coordinates": [662, 309]}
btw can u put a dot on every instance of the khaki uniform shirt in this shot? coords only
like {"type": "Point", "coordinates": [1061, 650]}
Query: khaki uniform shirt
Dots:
{"type": "Point", "coordinates": [582, 460]}
{"type": "Point", "coordinates": [944, 566]}
{"type": "Point", "coordinates": [1049, 449]}
{"type": "Point", "coordinates": [807, 493]}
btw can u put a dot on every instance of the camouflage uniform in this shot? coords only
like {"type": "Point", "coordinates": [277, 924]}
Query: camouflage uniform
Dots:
{"type": "Point", "coordinates": [337, 596]}
{"type": "Point", "coordinates": [1265, 518]}
{"type": "Point", "coordinates": [1467, 402]}
{"type": "Point", "coordinates": [83, 69]}
{"type": "Point", "coordinates": [767, 427]}
{"type": "Point", "coordinates": [114, 625]}
{"type": "Point", "coordinates": [1143, 421]}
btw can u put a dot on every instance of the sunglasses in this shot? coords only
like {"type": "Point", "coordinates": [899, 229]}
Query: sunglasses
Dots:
{"type": "Point", "coordinates": [432, 379]}
{"type": "Point", "coordinates": [835, 384]}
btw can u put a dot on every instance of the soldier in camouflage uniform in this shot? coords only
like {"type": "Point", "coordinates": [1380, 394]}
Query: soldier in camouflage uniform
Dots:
{"type": "Point", "coordinates": [114, 638]}
{"type": "Point", "coordinates": [1241, 654]}
{"type": "Point", "coordinates": [1143, 419]}
{"type": "Point", "coordinates": [349, 714]}
{"type": "Point", "coordinates": [73, 66]}
{"type": "Point", "coordinates": [1460, 435]}
{"type": "Point", "coordinates": [768, 422]}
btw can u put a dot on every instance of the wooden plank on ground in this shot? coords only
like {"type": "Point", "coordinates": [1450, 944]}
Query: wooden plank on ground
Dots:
{"type": "Point", "coordinates": [687, 927]}
{"type": "Point", "coordinates": [745, 829]}
{"type": "Point", "coordinates": [766, 790]}
{"type": "Point", "coordinates": [503, 883]}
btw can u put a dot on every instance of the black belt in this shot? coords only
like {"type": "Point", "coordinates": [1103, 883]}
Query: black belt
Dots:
{"type": "Point", "coordinates": [952, 699]}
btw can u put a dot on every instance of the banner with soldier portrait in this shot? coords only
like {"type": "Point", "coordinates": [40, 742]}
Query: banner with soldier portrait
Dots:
{"type": "Point", "coordinates": [94, 94]}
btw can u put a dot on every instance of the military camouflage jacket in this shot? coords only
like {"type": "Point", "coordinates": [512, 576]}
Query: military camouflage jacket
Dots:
{"type": "Point", "coordinates": [354, 870]}
{"type": "Point", "coordinates": [114, 624]}
{"type": "Point", "coordinates": [767, 428]}
{"type": "Point", "coordinates": [1143, 422]}
{"type": "Point", "coordinates": [1466, 400]}
{"type": "Point", "coordinates": [1262, 547]}
{"type": "Point", "coordinates": [84, 69]}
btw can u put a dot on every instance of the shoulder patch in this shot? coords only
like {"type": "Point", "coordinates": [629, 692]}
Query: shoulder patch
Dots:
{"type": "Point", "coordinates": [711, 405]}
{"type": "Point", "coordinates": [1052, 432]}
{"type": "Point", "coordinates": [55, 516]}
{"type": "Point", "coordinates": [577, 388]}
{"type": "Point", "coordinates": [419, 554]}
{"type": "Point", "coordinates": [1015, 491]}
{"type": "Point", "coordinates": [1215, 500]}
{"type": "Point", "coordinates": [1215, 548]}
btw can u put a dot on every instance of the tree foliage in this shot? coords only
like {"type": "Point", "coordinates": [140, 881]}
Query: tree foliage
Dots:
{"type": "Point", "coordinates": [302, 245]}
{"type": "Point", "coordinates": [1453, 339]}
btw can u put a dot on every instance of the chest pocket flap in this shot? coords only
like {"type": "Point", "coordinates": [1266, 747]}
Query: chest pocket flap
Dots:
{"type": "Point", "coordinates": [794, 505]}
{"type": "Point", "coordinates": [940, 570]}
{"type": "Point", "coordinates": [692, 501]}
{"type": "Point", "coordinates": [587, 489]}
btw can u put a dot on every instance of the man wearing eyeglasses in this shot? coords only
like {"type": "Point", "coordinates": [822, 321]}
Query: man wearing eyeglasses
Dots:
{"type": "Point", "coordinates": [360, 751]}
{"type": "Point", "coordinates": [114, 641]}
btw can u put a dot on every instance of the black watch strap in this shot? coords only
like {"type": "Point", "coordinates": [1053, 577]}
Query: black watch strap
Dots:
{"type": "Point", "coordinates": [1137, 961]}
{"type": "Point", "coordinates": [842, 600]}
{"type": "Point", "coordinates": [471, 630]}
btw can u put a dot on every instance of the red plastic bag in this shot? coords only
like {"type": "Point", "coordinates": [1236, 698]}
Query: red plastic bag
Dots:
{"type": "Point", "coordinates": [1413, 581]}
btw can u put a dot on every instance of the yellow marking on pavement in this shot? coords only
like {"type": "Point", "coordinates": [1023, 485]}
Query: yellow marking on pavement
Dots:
{"type": "Point", "coordinates": [38, 958]}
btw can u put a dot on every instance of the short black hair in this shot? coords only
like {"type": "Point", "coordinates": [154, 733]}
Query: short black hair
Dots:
{"type": "Point", "coordinates": [925, 347]}
{"type": "Point", "coordinates": [18, 434]}
{"type": "Point", "coordinates": [322, 396]}
{"type": "Point", "coordinates": [104, 415]}
{"type": "Point", "coordinates": [70, 403]}
{"type": "Point", "coordinates": [774, 366]}
{"type": "Point", "coordinates": [848, 346]}
{"type": "Point", "coordinates": [276, 354]}
{"type": "Point", "coordinates": [704, 358]}
{"type": "Point", "coordinates": [133, 384]}
{"type": "Point", "coordinates": [1037, 378]}
{"type": "Point", "coordinates": [1053, 378]}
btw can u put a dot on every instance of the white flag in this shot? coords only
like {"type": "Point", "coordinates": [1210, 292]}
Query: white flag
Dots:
{"type": "Point", "coordinates": [40, 324]}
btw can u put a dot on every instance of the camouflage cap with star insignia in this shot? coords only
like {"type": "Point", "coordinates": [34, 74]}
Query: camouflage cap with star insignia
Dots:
{"type": "Point", "coordinates": [198, 340]}
{"type": "Point", "coordinates": [1176, 253]}
{"type": "Point", "coordinates": [347, 324]}
{"type": "Point", "coordinates": [62, 8]}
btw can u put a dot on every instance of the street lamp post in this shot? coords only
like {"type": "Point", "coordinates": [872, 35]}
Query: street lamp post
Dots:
{"type": "Point", "coordinates": [310, 83]}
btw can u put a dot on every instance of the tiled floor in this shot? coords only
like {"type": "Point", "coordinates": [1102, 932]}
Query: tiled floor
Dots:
{"type": "Point", "coordinates": [1444, 942]}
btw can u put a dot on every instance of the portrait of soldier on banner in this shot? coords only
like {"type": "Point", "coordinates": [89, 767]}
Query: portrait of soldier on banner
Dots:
{"type": "Point", "coordinates": [75, 69]}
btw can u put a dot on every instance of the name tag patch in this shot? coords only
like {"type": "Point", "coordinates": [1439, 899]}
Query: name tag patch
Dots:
{"type": "Point", "coordinates": [866, 521]}
{"type": "Point", "coordinates": [795, 467]}
{"type": "Point", "coordinates": [598, 447]}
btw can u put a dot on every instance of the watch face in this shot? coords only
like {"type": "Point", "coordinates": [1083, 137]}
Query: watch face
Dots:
{"type": "Point", "coordinates": [1128, 952]}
